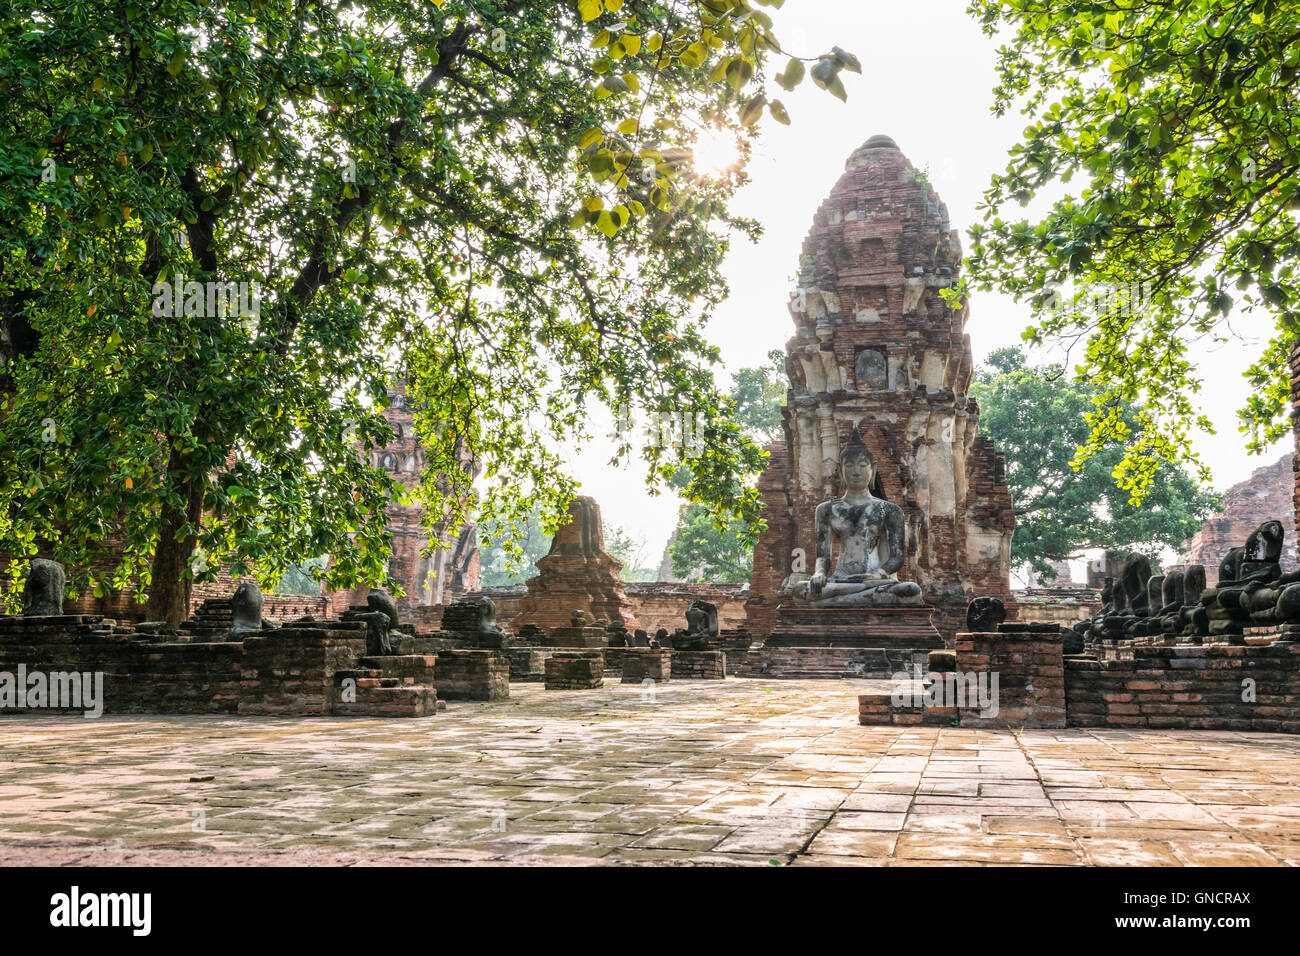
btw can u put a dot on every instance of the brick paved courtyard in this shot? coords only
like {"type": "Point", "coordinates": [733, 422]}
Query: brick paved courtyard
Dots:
{"type": "Point", "coordinates": [742, 772]}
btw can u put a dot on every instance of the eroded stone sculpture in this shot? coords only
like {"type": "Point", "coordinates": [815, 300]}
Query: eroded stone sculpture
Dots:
{"type": "Point", "coordinates": [984, 614]}
{"type": "Point", "coordinates": [380, 620]}
{"type": "Point", "coordinates": [43, 591]}
{"type": "Point", "coordinates": [246, 608]}
{"type": "Point", "coordinates": [701, 632]}
{"type": "Point", "coordinates": [868, 532]}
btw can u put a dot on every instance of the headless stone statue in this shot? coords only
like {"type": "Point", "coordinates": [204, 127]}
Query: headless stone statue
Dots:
{"type": "Point", "coordinates": [43, 591]}
{"type": "Point", "coordinates": [380, 621]}
{"type": "Point", "coordinates": [246, 606]}
{"type": "Point", "coordinates": [869, 532]}
{"type": "Point", "coordinates": [984, 614]}
{"type": "Point", "coordinates": [490, 634]}
{"type": "Point", "coordinates": [701, 628]}
{"type": "Point", "coordinates": [381, 601]}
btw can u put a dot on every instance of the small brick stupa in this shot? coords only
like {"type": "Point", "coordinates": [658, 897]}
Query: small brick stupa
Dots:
{"type": "Point", "coordinates": [577, 574]}
{"type": "Point", "coordinates": [877, 348]}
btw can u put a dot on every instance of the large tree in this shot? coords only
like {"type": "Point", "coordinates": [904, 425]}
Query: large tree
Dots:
{"type": "Point", "coordinates": [1035, 416]}
{"type": "Point", "coordinates": [1171, 134]}
{"type": "Point", "coordinates": [494, 199]}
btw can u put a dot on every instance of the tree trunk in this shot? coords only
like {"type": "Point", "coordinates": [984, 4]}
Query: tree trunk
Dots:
{"type": "Point", "coordinates": [170, 587]}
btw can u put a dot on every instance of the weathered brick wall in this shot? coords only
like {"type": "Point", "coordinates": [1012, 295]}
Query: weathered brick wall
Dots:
{"type": "Point", "coordinates": [138, 677]}
{"type": "Point", "coordinates": [1064, 605]}
{"type": "Point", "coordinates": [472, 675]}
{"type": "Point", "coordinates": [1031, 677]}
{"type": "Point", "coordinates": [291, 671]}
{"type": "Point", "coordinates": [1189, 687]}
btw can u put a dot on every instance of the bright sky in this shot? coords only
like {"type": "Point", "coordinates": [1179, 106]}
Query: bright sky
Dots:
{"type": "Point", "coordinates": [927, 77]}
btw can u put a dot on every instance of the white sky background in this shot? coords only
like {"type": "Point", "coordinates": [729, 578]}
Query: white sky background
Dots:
{"type": "Point", "coordinates": [927, 80]}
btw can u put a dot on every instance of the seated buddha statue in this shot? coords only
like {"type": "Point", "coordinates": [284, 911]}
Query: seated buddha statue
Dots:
{"type": "Point", "coordinates": [868, 532]}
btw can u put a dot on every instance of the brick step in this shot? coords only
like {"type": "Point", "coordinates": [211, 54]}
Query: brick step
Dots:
{"type": "Point", "coordinates": [385, 701]}
{"type": "Point", "coordinates": [825, 663]}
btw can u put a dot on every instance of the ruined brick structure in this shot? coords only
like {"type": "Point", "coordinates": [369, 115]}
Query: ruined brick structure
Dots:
{"type": "Point", "coordinates": [876, 344]}
{"type": "Point", "coordinates": [451, 569]}
{"type": "Point", "coordinates": [1267, 495]}
{"type": "Point", "coordinates": [577, 574]}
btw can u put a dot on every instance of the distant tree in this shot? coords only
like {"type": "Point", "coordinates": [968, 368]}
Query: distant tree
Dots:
{"type": "Point", "coordinates": [700, 551]}
{"type": "Point", "coordinates": [509, 555]}
{"type": "Point", "coordinates": [298, 578]}
{"type": "Point", "coordinates": [759, 394]}
{"type": "Point", "coordinates": [702, 548]}
{"type": "Point", "coordinates": [631, 550]}
{"type": "Point", "coordinates": [1035, 416]}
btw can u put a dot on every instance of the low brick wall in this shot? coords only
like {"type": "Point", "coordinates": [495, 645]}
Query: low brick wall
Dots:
{"type": "Point", "coordinates": [291, 671]}
{"type": "Point", "coordinates": [1030, 689]}
{"type": "Point", "coordinates": [699, 665]}
{"type": "Point", "coordinates": [138, 677]}
{"type": "Point", "coordinates": [1189, 687]}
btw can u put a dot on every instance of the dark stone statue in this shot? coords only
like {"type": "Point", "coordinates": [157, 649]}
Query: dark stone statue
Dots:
{"type": "Point", "coordinates": [984, 614]}
{"type": "Point", "coordinates": [381, 601]}
{"type": "Point", "coordinates": [490, 634]}
{"type": "Point", "coordinates": [1137, 572]}
{"type": "Point", "coordinates": [380, 622]}
{"type": "Point", "coordinates": [43, 591]}
{"type": "Point", "coordinates": [701, 632]}
{"type": "Point", "coordinates": [246, 606]}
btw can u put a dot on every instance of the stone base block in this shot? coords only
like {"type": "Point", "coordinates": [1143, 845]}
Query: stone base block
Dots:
{"type": "Point", "coordinates": [699, 665]}
{"type": "Point", "coordinates": [526, 663]}
{"type": "Point", "coordinates": [643, 663]}
{"type": "Point", "coordinates": [578, 637]}
{"type": "Point", "coordinates": [472, 675]}
{"type": "Point", "coordinates": [828, 663]}
{"type": "Point", "coordinates": [383, 700]}
{"type": "Point", "coordinates": [894, 628]}
{"type": "Point", "coordinates": [575, 670]}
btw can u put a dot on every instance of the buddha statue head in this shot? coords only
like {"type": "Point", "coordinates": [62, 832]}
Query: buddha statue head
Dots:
{"type": "Point", "coordinates": [858, 467]}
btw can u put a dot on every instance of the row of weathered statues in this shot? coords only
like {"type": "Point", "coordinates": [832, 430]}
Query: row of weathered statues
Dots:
{"type": "Point", "coordinates": [474, 621]}
{"type": "Point", "coordinates": [1252, 591]}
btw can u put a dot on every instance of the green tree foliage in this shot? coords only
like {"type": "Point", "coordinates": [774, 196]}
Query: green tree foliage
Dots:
{"type": "Point", "coordinates": [509, 555]}
{"type": "Point", "coordinates": [1035, 416]}
{"type": "Point", "coordinates": [704, 548]}
{"type": "Point", "coordinates": [1181, 124]}
{"type": "Point", "coordinates": [759, 394]}
{"type": "Point", "coordinates": [496, 199]}
{"type": "Point", "coordinates": [630, 548]}
{"type": "Point", "coordinates": [298, 579]}
{"type": "Point", "coordinates": [700, 551]}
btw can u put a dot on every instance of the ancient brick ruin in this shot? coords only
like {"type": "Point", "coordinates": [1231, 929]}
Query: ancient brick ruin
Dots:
{"type": "Point", "coordinates": [577, 574]}
{"type": "Point", "coordinates": [876, 344]}
{"type": "Point", "coordinates": [1267, 494]}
